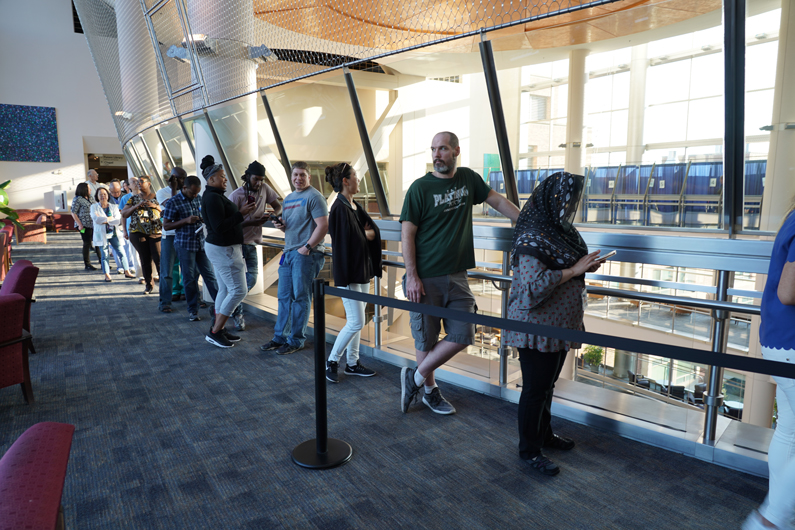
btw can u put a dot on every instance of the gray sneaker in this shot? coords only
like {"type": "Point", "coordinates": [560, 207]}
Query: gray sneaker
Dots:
{"type": "Point", "coordinates": [408, 388]}
{"type": "Point", "coordinates": [437, 403]}
{"type": "Point", "coordinates": [240, 322]}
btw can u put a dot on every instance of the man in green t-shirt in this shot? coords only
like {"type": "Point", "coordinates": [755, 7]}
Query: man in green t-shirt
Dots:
{"type": "Point", "coordinates": [438, 248]}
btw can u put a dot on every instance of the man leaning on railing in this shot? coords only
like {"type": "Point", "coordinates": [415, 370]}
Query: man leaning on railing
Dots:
{"type": "Point", "coordinates": [438, 248]}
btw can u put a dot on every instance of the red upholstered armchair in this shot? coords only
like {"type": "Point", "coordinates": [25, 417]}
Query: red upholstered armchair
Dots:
{"type": "Point", "coordinates": [62, 221]}
{"type": "Point", "coordinates": [35, 223]}
{"type": "Point", "coordinates": [14, 368]}
{"type": "Point", "coordinates": [32, 475]}
{"type": "Point", "coordinates": [21, 279]}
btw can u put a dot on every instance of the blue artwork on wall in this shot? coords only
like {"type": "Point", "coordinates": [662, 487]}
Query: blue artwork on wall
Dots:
{"type": "Point", "coordinates": [28, 134]}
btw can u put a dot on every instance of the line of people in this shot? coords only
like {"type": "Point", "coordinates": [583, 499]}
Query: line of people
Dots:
{"type": "Point", "coordinates": [549, 260]}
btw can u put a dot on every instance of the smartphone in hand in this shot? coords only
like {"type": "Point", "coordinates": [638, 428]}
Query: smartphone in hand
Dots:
{"type": "Point", "coordinates": [606, 257]}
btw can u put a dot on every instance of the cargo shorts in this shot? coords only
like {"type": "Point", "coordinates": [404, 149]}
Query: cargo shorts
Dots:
{"type": "Point", "coordinates": [450, 291]}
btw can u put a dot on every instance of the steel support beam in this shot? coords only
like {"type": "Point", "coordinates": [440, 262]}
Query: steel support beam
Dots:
{"type": "Point", "coordinates": [364, 136]}
{"type": "Point", "coordinates": [498, 115]}
{"type": "Point", "coordinates": [288, 170]}
{"type": "Point", "coordinates": [734, 113]}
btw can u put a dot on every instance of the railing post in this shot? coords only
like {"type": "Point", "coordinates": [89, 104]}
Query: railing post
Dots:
{"type": "Point", "coordinates": [713, 398]}
{"type": "Point", "coordinates": [377, 315]}
{"type": "Point", "coordinates": [322, 452]}
{"type": "Point", "coordinates": [503, 351]}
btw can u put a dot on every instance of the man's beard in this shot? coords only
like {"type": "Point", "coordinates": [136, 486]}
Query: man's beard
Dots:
{"type": "Point", "coordinates": [440, 167]}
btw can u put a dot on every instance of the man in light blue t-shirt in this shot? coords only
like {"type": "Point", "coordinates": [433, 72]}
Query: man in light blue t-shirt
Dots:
{"type": "Point", "coordinates": [304, 222]}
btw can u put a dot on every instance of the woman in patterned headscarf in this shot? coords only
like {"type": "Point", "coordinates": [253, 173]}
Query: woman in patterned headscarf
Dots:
{"type": "Point", "coordinates": [549, 260]}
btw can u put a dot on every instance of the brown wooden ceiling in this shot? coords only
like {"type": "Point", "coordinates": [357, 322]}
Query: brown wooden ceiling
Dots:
{"type": "Point", "coordinates": [393, 25]}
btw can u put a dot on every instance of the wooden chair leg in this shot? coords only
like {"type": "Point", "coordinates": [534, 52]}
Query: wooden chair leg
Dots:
{"type": "Point", "coordinates": [27, 388]}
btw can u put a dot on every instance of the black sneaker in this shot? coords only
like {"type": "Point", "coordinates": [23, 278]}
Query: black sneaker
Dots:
{"type": "Point", "coordinates": [286, 349]}
{"type": "Point", "coordinates": [271, 346]}
{"type": "Point", "coordinates": [90, 267]}
{"type": "Point", "coordinates": [359, 369]}
{"type": "Point", "coordinates": [408, 388]}
{"type": "Point", "coordinates": [559, 442]}
{"type": "Point", "coordinates": [149, 290]}
{"type": "Point", "coordinates": [436, 402]}
{"type": "Point", "coordinates": [331, 371]}
{"type": "Point", "coordinates": [218, 339]}
{"type": "Point", "coordinates": [229, 336]}
{"type": "Point", "coordinates": [544, 465]}
{"type": "Point", "coordinates": [193, 317]}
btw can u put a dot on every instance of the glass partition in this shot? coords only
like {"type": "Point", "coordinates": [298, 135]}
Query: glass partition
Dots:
{"type": "Point", "coordinates": [161, 160]}
{"type": "Point", "coordinates": [177, 145]}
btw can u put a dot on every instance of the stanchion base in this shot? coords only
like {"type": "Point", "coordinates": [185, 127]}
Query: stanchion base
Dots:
{"type": "Point", "coordinates": [306, 455]}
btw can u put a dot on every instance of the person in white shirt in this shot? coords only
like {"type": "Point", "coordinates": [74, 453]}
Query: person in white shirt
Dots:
{"type": "Point", "coordinates": [106, 217]}
{"type": "Point", "coordinates": [93, 182]}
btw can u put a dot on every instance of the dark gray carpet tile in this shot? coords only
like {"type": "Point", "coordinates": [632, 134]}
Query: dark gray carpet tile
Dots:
{"type": "Point", "coordinates": [174, 433]}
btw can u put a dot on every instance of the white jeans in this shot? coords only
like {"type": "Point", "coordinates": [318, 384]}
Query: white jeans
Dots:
{"type": "Point", "coordinates": [779, 506]}
{"type": "Point", "coordinates": [230, 273]}
{"type": "Point", "coordinates": [350, 334]}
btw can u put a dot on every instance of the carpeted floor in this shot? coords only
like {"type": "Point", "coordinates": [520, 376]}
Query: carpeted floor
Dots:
{"type": "Point", "coordinates": [174, 433]}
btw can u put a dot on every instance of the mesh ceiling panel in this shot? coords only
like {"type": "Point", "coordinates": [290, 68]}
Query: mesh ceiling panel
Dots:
{"type": "Point", "coordinates": [161, 58]}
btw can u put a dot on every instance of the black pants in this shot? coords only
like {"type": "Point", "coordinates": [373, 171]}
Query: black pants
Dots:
{"type": "Point", "coordinates": [148, 248]}
{"type": "Point", "coordinates": [540, 370]}
{"type": "Point", "coordinates": [88, 243]}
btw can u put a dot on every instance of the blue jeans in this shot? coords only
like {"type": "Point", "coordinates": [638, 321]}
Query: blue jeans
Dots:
{"type": "Point", "coordinates": [296, 273]}
{"type": "Point", "coordinates": [168, 257]}
{"type": "Point", "coordinates": [252, 269]}
{"type": "Point", "coordinates": [105, 250]}
{"type": "Point", "coordinates": [193, 264]}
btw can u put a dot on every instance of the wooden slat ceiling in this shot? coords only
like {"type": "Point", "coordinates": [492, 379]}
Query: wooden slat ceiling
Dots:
{"type": "Point", "coordinates": [393, 25]}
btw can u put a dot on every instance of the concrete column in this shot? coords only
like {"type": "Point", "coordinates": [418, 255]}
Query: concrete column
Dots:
{"type": "Point", "coordinates": [637, 104]}
{"type": "Point", "coordinates": [137, 68]}
{"type": "Point", "coordinates": [780, 176]}
{"type": "Point", "coordinates": [575, 113]}
{"type": "Point", "coordinates": [622, 363]}
{"type": "Point", "coordinates": [777, 198]}
{"type": "Point", "coordinates": [226, 73]}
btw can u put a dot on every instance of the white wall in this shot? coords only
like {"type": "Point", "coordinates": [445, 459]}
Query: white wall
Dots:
{"type": "Point", "coordinates": [45, 63]}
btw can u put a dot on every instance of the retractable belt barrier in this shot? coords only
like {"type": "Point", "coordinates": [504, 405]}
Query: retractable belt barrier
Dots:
{"type": "Point", "coordinates": [726, 360]}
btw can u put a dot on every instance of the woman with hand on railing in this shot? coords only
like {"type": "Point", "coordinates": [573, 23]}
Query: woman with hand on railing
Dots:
{"type": "Point", "coordinates": [356, 258]}
{"type": "Point", "coordinates": [777, 337]}
{"type": "Point", "coordinates": [549, 260]}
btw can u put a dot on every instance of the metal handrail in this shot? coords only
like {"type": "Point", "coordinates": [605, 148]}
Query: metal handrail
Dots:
{"type": "Point", "coordinates": [604, 291]}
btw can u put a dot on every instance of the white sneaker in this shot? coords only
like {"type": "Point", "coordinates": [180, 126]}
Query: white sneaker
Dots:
{"type": "Point", "coordinates": [754, 522]}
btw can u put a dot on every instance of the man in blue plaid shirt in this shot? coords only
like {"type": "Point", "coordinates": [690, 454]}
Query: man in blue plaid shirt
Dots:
{"type": "Point", "coordinates": [182, 213]}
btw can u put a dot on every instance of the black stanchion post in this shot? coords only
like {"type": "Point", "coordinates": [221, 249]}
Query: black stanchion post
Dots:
{"type": "Point", "coordinates": [322, 452]}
